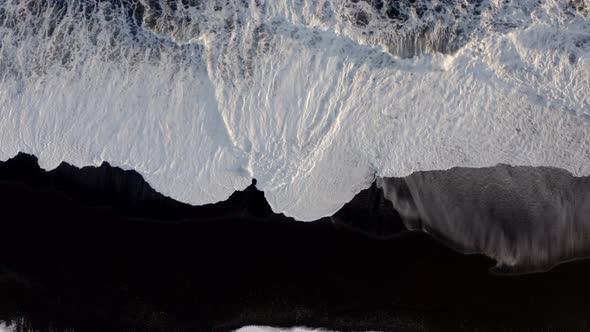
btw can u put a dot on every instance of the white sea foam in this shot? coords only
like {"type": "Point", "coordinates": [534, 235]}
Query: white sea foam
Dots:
{"type": "Point", "coordinates": [310, 97]}
{"type": "Point", "coordinates": [274, 329]}
{"type": "Point", "coordinates": [6, 328]}
{"type": "Point", "coordinates": [254, 328]}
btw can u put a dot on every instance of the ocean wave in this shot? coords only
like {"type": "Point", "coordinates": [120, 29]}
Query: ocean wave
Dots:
{"type": "Point", "coordinates": [312, 98]}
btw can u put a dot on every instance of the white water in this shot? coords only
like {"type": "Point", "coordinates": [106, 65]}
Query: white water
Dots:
{"type": "Point", "coordinates": [293, 93]}
{"type": "Point", "coordinates": [6, 328]}
{"type": "Point", "coordinates": [254, 328]}
{"type": "Point", "coordinates": [274, 329]}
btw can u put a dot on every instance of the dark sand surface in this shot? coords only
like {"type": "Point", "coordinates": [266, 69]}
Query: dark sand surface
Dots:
{"type": "Point", "coordinates": [98, 249]}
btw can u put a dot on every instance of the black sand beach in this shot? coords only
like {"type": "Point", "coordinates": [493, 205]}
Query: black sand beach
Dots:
{"type": "Point", "coordinates": [98, 249]}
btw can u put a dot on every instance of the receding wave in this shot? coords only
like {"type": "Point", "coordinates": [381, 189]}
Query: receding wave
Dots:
{"type": "Point", "coordinates": [527, 218]}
